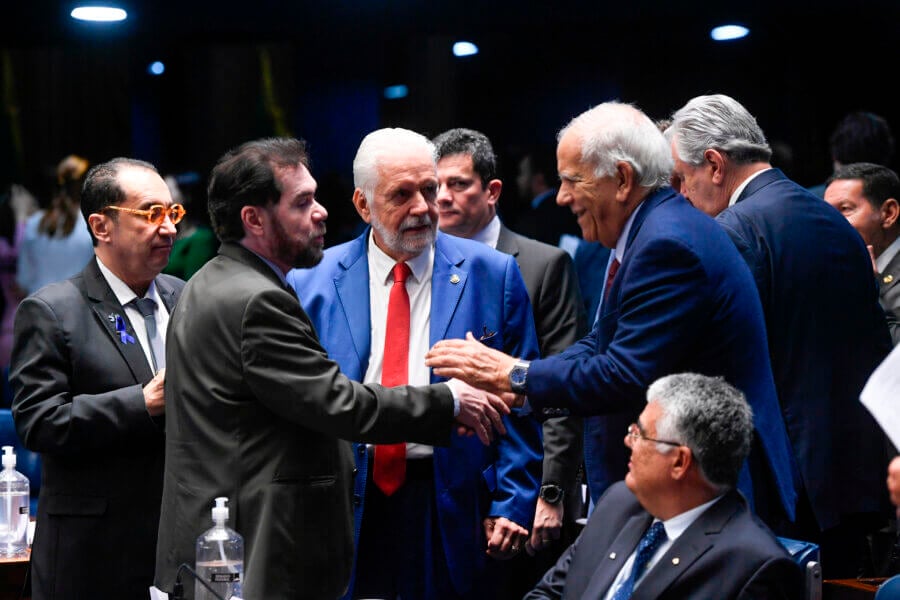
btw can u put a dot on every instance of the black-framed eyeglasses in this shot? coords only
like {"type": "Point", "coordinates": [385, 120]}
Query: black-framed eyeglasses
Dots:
{"type": "Point", "coordinates": [156, 214]}
{"type": "Point", "coordinates": [635, 433]}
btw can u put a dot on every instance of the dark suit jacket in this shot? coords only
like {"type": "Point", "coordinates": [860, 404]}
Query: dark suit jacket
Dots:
{"type": "Point", "coordinates": [255, 414]}
{"type": "Point", "coordinates": [682, 300]}
{"type": "Point", "coordinates": [472, 287]}
{"type": "Point", "coordinates": [727, 553]}
{"type": "Point", "coordinates": [826, 334]}
{"type": "Point", "coordinates": [560, 320]}
{"type": "Point", "coordinates": [79, 402]}
{"type": "Point", "coordinates": [889, 294]}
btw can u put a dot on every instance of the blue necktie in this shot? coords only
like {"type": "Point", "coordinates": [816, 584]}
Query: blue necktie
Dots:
{"type": "Point", "coordinates": [647, 547]}
{"type": "Point", "coordinates": [147, 308]}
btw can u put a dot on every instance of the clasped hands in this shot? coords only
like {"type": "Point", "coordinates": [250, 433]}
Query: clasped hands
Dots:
{"type": "Point", "coordinates": [470, 364]}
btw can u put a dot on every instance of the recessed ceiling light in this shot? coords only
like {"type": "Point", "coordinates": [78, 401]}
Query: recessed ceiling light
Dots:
{"type": "Point", "coordinates": [99, 13]}
{"type": "Point", "coordinates": [156, 68]}
{"type": "Point", "coordinates": [464, 49]}
{"type": "Point", "coordinates": [724, 33]}
{"type": "Point", "coordinates": [395, 92]}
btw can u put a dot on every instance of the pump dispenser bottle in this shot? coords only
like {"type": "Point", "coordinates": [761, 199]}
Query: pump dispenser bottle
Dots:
{"type": "Point", "coordinates": [14, 500]}
{"type": "Point", "coordinates": [220, 558]}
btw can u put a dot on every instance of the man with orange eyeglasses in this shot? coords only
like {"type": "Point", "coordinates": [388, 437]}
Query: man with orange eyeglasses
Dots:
{"type": "Point", "coordinates": [88, 366]}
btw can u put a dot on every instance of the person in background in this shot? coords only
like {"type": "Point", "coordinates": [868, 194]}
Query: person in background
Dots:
{"type": "Point", "coordinates": [826, 331]}
{"type": "Point", "coordinates": [56, 244]}
{"type": "Point", "coordinates": [676, 527]}
{"type": "Point", "coordinates": [87, 372]}
{"type": "Point", "coordinates": [860, 136]}
{"type": "Point", "coordinates": [196, 243]}
{"type": "Point", "coordinates": [467, 207]}
{"type": "Point", "coordinates": [868, 195]}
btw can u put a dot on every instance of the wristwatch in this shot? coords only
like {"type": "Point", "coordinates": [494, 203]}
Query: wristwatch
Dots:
{"type": "Point", "coordinates": [518, 376]}
{"type": "Point", "coordinates": [551, 493]}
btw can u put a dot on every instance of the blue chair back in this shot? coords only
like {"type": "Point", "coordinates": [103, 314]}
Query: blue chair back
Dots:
{"type": "Point", "coordinates": [889, 590]}
{"type": "Point", "coordinates": [28, 463]}
{"type": "Point", "coordinates": [802, 552]}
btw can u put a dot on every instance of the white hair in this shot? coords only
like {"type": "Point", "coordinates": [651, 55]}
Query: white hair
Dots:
{"type": "Point", "coordinates": [379, 144]}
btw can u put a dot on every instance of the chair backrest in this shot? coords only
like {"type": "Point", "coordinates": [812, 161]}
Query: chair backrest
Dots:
{"type": "Point", "coordinates": [889, 590]}
{"type": "Point", "coordinates": [806, 554]}
{"type": "Point", "coordinates": [28, 463]}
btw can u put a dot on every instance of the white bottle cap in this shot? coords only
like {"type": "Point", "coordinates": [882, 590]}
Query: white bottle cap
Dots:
{"type": "Point", "coordinates": [219, 511]}
{"type": "Point", "coordinates": [9, 459]}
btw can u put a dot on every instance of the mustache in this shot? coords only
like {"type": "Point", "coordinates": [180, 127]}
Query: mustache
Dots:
{"type": "Point", "coordinates": [318, 232]}
{"type": "Point", "coordinates": [413, 222]}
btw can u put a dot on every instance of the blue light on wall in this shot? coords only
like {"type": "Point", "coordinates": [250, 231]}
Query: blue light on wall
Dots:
{"type": "Point", "coordinates": [464, 49]}
{"type": "Point", "coordinates": [395, 92]}
{"type": "Point", "coordinates": [724, 33]}
{"type": "Point", "coordinates": [104, 14]}
{"type": "Point", "coordinates": [156, 68]}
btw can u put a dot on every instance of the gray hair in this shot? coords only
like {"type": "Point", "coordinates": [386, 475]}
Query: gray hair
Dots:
{"type": "Point", "coordinates": [709, 416]}
{"type": "Point", "coordinates": [720, 122]}
{"type": "Point", "coordinates": [615, 132]}
{"type": "Point", "coordinates": [375, 146]}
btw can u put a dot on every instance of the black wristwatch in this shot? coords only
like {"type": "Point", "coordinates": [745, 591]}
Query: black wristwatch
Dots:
{"type": "Point", "coordinates": [518, 376]}
{"type": "Point", "coordinates": [551, 493]}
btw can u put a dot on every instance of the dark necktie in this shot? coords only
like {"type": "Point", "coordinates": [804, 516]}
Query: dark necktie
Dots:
{"type": "Point", "coordinates": [389, 468]}
{"type": "Point", "coordinates": [610, 275]}
{"type": "Point", "coordinates": [147, 308]}
{"type": "Point", "coordinates": [651, 541]}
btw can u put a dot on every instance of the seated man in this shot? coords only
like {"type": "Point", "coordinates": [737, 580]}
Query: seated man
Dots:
{"type": "Point", "coordinates": [677, 528]}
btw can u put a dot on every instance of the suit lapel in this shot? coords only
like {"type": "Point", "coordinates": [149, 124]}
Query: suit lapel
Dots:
{"type": "Point", "coordinates": [167, 294]}
{"type": "Point", "coordinates": [111, 316]}
{"type": "Point", "coordinates": [352, 288]}
{"type": "Point", "coordinates": [506, 242]}
{"type": "Point", "coordinates": [615, 557]}
{"type": "Point", "coordinates": [696, 541]}
{"type": "Point", "coordinates": [448, 280]}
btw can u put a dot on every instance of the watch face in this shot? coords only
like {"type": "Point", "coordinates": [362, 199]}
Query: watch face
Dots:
{"type": "Point", "coordinates": [517, 375]}
{"type": "Point", "coordinates": [551, 493]}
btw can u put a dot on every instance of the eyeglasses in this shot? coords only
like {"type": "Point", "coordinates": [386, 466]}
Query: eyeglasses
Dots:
{"type": "Point", "coordinates": [635, 433]}
{"type": "Point", "coordinates": [156, 214]}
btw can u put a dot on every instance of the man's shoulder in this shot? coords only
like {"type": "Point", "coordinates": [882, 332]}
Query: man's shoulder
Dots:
{"type": "Point", "coordinates": [536, 249]}
{"type": "Point", "coordinates": [457, 248]}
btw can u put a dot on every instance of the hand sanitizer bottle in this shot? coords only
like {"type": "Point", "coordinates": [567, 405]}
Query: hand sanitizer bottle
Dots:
{"type": "Point", "coordinates": [14, 500]}
{"type": "Point", "coordinates": [220, 558]}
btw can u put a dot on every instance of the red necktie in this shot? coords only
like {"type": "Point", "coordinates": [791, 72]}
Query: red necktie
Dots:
{"type": "Point", "coordinates": [613, 269]}
{"type": "Point", "coordinates": [389, 469]}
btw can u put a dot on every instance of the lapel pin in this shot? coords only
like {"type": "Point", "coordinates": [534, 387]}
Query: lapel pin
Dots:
{"type": "Point", "coordinates": [676, 560]}
{"type": "Point", "coordinates": [121, 329]}
{"type": "Point", "coordinates": [454, 279]}
{"type": "Point", "coordinates": [111, 317]}
{"type": "Point", "coordinates": [612, 556]}
{"type": "Point", "coordinates": [888, 278]}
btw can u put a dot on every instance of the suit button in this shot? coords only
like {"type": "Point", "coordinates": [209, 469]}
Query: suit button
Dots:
{"type": "Point", "coordinates": [361, 450]}
{"type": "Point", "coordinates": [355, 471]}
{"type": "Point", "coordinates": [357, 500]}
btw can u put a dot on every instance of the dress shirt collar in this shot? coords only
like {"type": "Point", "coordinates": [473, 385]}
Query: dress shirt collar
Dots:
{"type": "Point", "coordinates": [123, 293]}
{"type": "Point", "coordinates": [490, 234]}
{"type": "Point", "coordinates": [273, 266]}
{"type": "Point", "coordinates": [383, 265]}
{"type": "Point", "coordinates": [885, 258]}
{"type": "Point", "coordinates": [737, 192]}
{"type": "Point", "coordinates": [622, 243]}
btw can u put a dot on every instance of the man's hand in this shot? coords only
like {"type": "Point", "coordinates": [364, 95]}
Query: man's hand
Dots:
{"type": "Point", "coordinates": [154, 397]}
{"type": "Point", "coordinates": [547, 526]}
{"type": "Point", "coordinates": [893, 482]}
{"type": "Point", "coordinates": [505, 538]}
{"type": "Point", "coordinates": [479, 412]}
{"type": "Point", "coordinates": [472, 362]}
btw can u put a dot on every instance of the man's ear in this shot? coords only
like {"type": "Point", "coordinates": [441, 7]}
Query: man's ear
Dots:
{"type": "Point", "coordinates": [625, 182]}
{"type": "Point", "coordinates": [362, 205]}
{"type": "Point", "coordinates": [253, 218]}
{"type": "Point", "coordinates": [494, 187]}
{"type": "Point", "coordinates": [683, 460]}
{"type": "Point", "coordinates": [100, 226]}
{"type": "Point", "coordinates": [715, 161]}
{"type": "Point", "coordinates": [890, 209]}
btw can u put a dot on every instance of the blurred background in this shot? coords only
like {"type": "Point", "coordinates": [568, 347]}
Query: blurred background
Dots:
{"type": "Point", "coordinates": [180, 82]}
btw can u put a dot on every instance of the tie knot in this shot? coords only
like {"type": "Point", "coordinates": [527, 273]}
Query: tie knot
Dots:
{"type": "Point", "coordinates": [401, 272]}
{"type": "Point", "coordinates": [655, 536]}
{"type": "Point", "coordinates": [613, 267]}
{"type": "Point", "coordinates": [145, 306]}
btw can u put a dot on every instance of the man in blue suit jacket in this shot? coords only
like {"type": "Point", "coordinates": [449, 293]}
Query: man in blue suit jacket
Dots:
{"type": "Point", "coordinates": [427, 539]}
{"type": "Point", "coordinates": [826, 330]}
{"type": "Point", "coordinates": [681, 300]}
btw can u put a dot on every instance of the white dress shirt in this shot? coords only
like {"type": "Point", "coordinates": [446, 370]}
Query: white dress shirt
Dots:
{"type": "Point", "coordinates": [418, 286]}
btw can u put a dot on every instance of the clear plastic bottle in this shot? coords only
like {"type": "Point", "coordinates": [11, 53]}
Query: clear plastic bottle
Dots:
{"type": "Point", "coordinates": [15, 495]}
{"type": "Point", "coordinates": [220, 558]}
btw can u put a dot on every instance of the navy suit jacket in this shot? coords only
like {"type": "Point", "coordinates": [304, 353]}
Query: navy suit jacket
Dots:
{"type": "Point", "coordinates": [682, 300]}
{"type": "Point", "coordinates": [473, 286]}
{"type": "Point", "coordinates": [726, 554]}
{"type": "Point", "coordinates": [827, 333]}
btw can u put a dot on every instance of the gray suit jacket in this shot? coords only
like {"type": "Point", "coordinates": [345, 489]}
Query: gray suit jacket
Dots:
{"type": "Point", "coordinates": [726, 554]}
{"type": "Point", "coordinates": [255, 414]}
{"type": "Point", "coordinates": [79, 402]}
{"type": "Point", "coordinates": [560, 320]}
{"type": "Point", "coordinates": [889, 294]}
